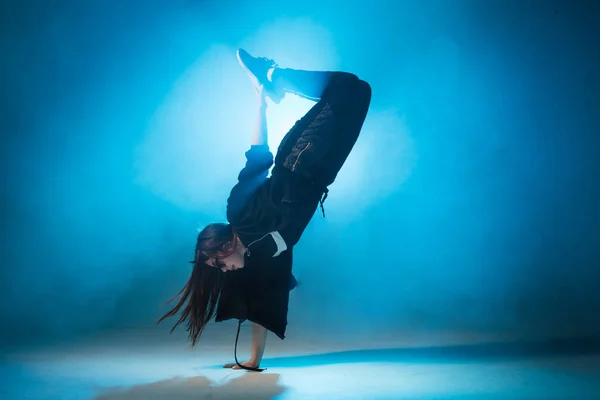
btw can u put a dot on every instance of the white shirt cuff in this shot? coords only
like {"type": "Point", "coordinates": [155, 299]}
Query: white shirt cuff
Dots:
{"type": "Point", "coordinates": [281, 245]}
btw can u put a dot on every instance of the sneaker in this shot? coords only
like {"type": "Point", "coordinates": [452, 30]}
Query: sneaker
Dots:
{"type": "Point", "coordinates": [257, 69]}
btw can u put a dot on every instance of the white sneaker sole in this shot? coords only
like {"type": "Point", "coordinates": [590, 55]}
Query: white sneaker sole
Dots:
{"type": "Point", "coordinates": [252, 77]}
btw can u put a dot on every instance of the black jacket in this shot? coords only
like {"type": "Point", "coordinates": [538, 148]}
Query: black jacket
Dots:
{"type": "Point", "coordinates": [269, 214]}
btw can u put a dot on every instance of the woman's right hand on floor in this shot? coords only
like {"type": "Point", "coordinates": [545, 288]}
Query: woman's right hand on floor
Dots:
{"type": "Point", "coordinates": [249, 364]}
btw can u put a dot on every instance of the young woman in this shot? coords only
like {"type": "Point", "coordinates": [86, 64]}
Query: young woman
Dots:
{"type": "Point", "coordinates": [243, 269]}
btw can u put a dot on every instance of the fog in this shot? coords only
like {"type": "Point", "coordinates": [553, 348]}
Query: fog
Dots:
{"type": "Point", "coordinates": [470, 202]}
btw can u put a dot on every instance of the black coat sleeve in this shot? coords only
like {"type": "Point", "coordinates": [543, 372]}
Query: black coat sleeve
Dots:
{"type": "Point", "coordinates": [295, 206]}
{"type": "Point", "coordinates": [259, 160]}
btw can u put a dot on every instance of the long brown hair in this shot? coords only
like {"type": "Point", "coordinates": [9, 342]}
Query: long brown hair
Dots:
{"type": "Point", "coordinates": [202, 290]}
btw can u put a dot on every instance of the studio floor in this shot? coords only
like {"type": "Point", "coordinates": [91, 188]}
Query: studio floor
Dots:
{"type": "Point", "coordinates": [147, 366]}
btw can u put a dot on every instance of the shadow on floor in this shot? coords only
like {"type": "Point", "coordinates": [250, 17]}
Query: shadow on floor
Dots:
{"type": "Point", "coordinates": [253, 386]}
{"type": "Point", "coordinates": [475, 353]}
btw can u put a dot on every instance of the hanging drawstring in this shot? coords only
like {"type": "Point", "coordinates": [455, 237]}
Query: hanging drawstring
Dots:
{"type": "Point", "coordinates": [235, 351]}
{"type": "Point", "coordinates": [325, 194]}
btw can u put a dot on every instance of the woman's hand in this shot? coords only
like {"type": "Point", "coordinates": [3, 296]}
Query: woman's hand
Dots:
{"type": "Point", "coordinates": [249, 364]}
{"type": "Point", "coordinates": [260, 136]}
{"type": "Point", "coordinates": [260, 95]}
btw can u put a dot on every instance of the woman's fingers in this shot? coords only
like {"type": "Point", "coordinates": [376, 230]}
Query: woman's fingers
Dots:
{"type": "Point", "coordinates": [245, 364]}
{"type": "Point", "coordinates": [259, 89]}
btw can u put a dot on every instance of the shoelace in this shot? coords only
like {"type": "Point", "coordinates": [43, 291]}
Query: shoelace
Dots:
{"type": "Point", "coordinates": [271, 62]}
{"type": "Point", "coordinates": [325, 194]}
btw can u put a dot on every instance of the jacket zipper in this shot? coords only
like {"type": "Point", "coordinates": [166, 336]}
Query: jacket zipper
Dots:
{"type": "Point", "coordinates": [298, 158]}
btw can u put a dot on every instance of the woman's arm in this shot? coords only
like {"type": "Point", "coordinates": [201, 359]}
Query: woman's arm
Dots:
{"type": "Point", "coordinates": [259, 342]}
{"type": "Point", "coordinates": [260, 136]}
{"type": "Point", "coordinates": [259, 160]}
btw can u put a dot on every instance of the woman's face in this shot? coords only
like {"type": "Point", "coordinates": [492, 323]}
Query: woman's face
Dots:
{"type": "Point", "coordinates": [230, 256]}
